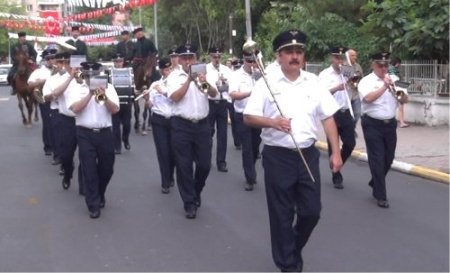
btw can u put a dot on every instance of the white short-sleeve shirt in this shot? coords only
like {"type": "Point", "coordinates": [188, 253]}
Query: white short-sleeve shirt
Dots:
{"type": "Point", "coordinates": [42, 73]}
{"type": "Point", "coordinates": [63, 108]}
{"type": "Point", "coordinates": [94, 115]}
{"type": "Point", "coordinates": [241, 81]}
{"type": "Point", "coordinates": [48, 88]}
{"type": "Point", "coordinates": [329, 78]}
{"type": "Point", "coordinates": [194, 104]}
{"type": "Point", "coordinates": [161, 103]}
{"type": "Point", "coordinates": [213, 75]}
{"type": "Point", "coordinates": [304, 101]}
{"type": "Point", "coordinates": [383, 107]}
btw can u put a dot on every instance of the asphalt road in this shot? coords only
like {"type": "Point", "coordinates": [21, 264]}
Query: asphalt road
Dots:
{"type": "Point", "coordinates": [45, 228]}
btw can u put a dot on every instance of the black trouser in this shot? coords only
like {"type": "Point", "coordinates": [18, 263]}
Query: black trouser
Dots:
{"type": "Point", "coordinates": [346, 130]}
{"type": "Point", "coordinates": [56, 125]}
{"type": "Point", "coordinates": [218, 116]}
{"type": "Point", "coordinates": [234, 130]}
{"type": "Point", "coordinates": [290, 191]}
{"type": "Point", "coordinates": [47, 134]}
{"type": "Point", "coordinates": [11, 74]}
{"type": "Point", "coordinates": [123, 117]}
{"type": "Point", "coordinates": [191, 144]}
{"type": "Point", "coordinates": [161, 135]}
{"type": "Point", "coordinates": [96, 151]}
{"type": "Point", "coordinates": [381, 140]}
{"type": "Point", "coordinates": [68, 134]}
{"type": "Point", "coordinates": [250, 140]}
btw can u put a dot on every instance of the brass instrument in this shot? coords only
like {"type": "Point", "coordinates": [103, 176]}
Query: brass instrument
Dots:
{"type": "Point", "coordinates": [79, 77]}
{"type": "Point", "coordinates": [38, 95]}
{"type": "Point", "coordinates": [203, 87]}
{"type": "Point", "coordinates": [100, 98]}
{"type": "Point", "coordinates": [353, 76]}
{"type": "Point", "coordinates": [399, 95]}
{"type": "Point", "coordinates": [251, 47]}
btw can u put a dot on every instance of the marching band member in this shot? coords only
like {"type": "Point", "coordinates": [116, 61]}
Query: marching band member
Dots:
{"type": "Point", "coordinates": [161, 107]}
{"type": "Point", "coordinates": [241, 85]}
{"type": "Point", "coordinates": [67, 129]}
{"type": "Point", "coordinates": [354, 98]}
{"type": "Point", "coordinates": [218, 111]}
{"type": "Point", "coordinates": [123, 117]}
{"type": "Point", "coordinates": [174, 59]}
{"type": "Point", "coordinates": [333, 79]}
{"type": "Point", "coordinates": [36, 81]}
{"type": "Point", "coordinates": [191, 132]}
{"type": "Point", "coordinates": [290, 188]}
{"type": "Point", "coordinates": [93, 109]}
{"type": "Point", "coordinates": [379, 104]}
{"type": "Point", "coordinates": [76, 42]}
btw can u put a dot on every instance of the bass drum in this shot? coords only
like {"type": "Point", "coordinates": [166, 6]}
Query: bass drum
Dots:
{"type": "Point", "coordinates": [123, 81]}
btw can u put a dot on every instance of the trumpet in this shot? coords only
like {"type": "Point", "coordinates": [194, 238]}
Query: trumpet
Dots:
{"type": "Point", "coordinates": [79, 77]}
{"type": "Point", "coordinates": [399, 95]}
{"type": "Point", "coordinates": [251, 47]}
{"type": "Point", "coordinates": [100, 97]}
{"type": "Point", "coordinates": [202, 86]}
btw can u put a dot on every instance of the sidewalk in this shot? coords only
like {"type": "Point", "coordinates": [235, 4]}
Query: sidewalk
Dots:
{"type": "Point", "coordinates": [421, 151]}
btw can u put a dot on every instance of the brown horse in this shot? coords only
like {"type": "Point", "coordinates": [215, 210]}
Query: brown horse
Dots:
{"type": "Point", "coordinates": [25, 92]}
{"type": "Point", "coordinates": [143, 77]}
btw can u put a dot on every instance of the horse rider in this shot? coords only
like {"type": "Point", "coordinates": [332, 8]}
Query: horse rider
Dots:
{"type": "Point", "coordinates": [191, 131]}
{"type": "Point", "coordinates": [67, 130]}
{"type": "Point", "coordinates": [161, 108]}
{"type": "Point", "coordinates": [241, 85]}
{"type": "Point", "coordinates": [292, 180]}
{"type": "Point", "coordinates": [21, 45]}
{"type": "Point", "coordinates": [125, 48]}
{"type": "Point", "coordinates": [379, 103]}
{"type": "Point", "coordinates": [76, 42]}
{"type": "Point", "coordinates": [333, 79]}
{"type": "Point", "coordinates": [121, 121]}
{"type": "Point", "coordinates": [218, 111]}
{"type": "Point", "coordinates": [143, 49]}
{"type": "Point", "coordinates": [36, 81]}
{"type": "Point", "coordinates": [93, 107]}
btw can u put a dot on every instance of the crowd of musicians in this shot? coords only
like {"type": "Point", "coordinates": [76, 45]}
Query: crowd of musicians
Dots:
{"type": "Point", "coordinates": [191, 104]}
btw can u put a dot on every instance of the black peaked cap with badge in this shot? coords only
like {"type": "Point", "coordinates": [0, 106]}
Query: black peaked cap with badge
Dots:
{"type": "Point", "coordinates": [381, 57]}
{"type": "Point", "coordinates": [117, 57]}
{"type": "Point", "coordinates": [289, 38]}
{"type": "Point", "coordinates": [164, 63]}
{"type": "Point", "coordinates": [214, 50]}
{"type": "Point", "coordinates": [338, 50]}
{"type": "Point", "coordinates": [187, 49]}
{"type": "Point", "coordinates": [62, 56]}
{"type": "Point", "coordinates": [172, 52]}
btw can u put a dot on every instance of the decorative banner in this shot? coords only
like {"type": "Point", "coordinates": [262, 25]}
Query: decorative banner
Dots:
{"type": "Point", "coordinates": [52, 24]}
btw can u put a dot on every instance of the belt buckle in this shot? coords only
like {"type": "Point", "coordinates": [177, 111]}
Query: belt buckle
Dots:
{"type": "Point", "coordinates": [195, 121]}
{"type": "Point", "coordinates": [342, 110]}
{"type": "Point", "coordinates": [216, 101]}
{"type": "Point", "coordinates": [96, 130]}
{"type": "Point", "coordinates": [386, 121]}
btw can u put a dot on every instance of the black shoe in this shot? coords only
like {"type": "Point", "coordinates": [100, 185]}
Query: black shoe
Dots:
{"type": "Point", "coordinates": [165, 190]}
{"type": "Point", "coordinates": [117, 152]}
{"type": "Point", "coordinates": [102, 202]}
{"type": "Point", "coordinates": [61, 171]}
{"type": "Point", "coordinates": [371, 183]}
{"type": "Point", "coordinates": [65, 183]}
{"type": "Point", "coordinates": [338, 180]}
{"type": "Point", "coordinates": [191, 213]}
{"type": "Point", "coordinates": [383, 204]}
{"type": "Point", "coordinates": [249, 186]}
{"type": "Point", "coordinates": [94, 214]}
{"type": "Point", "coordinates": [48, 153]}
{"type": "Point", "coordinates": [126, 145]}
{"type": "Point", "coordinates": [13, 92]}
{"type": "Point", "coordinates": [198, 202]}
{"type": "Point", "coordinates": [222, 167]}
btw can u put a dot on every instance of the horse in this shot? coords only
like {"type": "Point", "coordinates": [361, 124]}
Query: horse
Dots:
{"type": "Point", "coordinates": [143, 77]}
{"type": "Point", "coordinates": [25, 92]}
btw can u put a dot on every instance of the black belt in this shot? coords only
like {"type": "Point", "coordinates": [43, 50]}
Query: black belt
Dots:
{"type": "Point", "coordinates": [94, 130]}
{"type": "Point", "coordinates": [191, 120]}
{"type": "Point", "coordinates": [217, 101]}
{"type": "Point", "coordinates": [342, 110]}
{"type": "Point", "coordinates": [383, 121]}
{"type": "Point", "coordinates": [159, 116]}
{"type": "Point", "coordinates": [285, 149]}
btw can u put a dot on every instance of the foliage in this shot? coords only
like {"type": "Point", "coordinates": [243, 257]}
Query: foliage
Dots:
{"type": "Point", "coordinates": [411, 28]}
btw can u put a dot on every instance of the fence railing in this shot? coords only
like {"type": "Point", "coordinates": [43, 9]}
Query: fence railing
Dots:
{"type": "Point", "coordinates": [427, 77]}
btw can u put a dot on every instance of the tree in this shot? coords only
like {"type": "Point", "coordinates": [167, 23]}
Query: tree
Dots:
{"type": "Point", "coordinates": [411, 28]}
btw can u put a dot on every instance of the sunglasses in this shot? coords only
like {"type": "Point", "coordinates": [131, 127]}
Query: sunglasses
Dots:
{"type": "Point", "coordinates": [250, 61]}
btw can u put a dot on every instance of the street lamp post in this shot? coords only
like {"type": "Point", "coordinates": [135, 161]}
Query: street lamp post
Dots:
{"type": "Point", "coordinates": [231, 34]}
{"type": "Point", "coordinates": [248, 19]}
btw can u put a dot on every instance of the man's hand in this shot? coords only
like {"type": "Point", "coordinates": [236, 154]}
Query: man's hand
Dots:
{"type": "Point", "coordinates": [281, 124]}
{"type": "Point", "coordinates": [335, 162]}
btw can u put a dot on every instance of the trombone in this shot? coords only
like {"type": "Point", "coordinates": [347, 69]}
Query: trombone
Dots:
{"type": "Point", "coordinates": [251, 47]}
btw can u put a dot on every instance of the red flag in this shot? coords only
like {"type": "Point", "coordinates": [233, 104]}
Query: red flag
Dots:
{"type": "Point", "coordinates": [52, 24]}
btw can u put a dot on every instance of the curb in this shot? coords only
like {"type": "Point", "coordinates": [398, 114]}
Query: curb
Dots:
{"type": "Point", "coordinates": [400, 166]}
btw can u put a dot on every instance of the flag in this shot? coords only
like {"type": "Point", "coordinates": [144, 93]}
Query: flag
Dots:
{"type": "Point", "coordinates": [52, 24]}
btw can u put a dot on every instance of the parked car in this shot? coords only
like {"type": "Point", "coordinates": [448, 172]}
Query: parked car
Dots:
{"type": "Point", "coordinates": [4, 70]}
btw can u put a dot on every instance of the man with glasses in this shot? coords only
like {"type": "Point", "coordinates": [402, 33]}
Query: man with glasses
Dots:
{"type": "Point", "coordinates": [379, 125]}
{"type": "Point", "coordinates": [241, 85]}
{"type": "Point", "coordinates": [191, 132]}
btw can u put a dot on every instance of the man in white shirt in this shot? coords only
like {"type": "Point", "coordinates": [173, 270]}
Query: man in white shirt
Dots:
{"type": "Point", "coordinates": [93, 108]}
{"type": "Point", "coordinates": [379, 104]}
{"type": "Point", "coordinates": [333, 79]}
{"type": "Point", "coordinates": [292, 187]}
{"type": "Point", "coordinates": [161, 107]}
{"type": "Point", "coordinates": [241, 85]}
{"type": "Point", "coordinates": [218, 111]}
{"type": "Point", "coordinates": [191, 132]}
{"type": "Point", "coordinates": [36, 81]}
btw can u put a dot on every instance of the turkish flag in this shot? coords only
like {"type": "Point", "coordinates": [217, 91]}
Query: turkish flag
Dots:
{"type": "Point", "coordinates": [52, 24]}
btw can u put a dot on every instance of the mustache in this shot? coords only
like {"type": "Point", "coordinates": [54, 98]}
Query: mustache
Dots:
{"type": "Point", "coordinates": [294, 62]}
